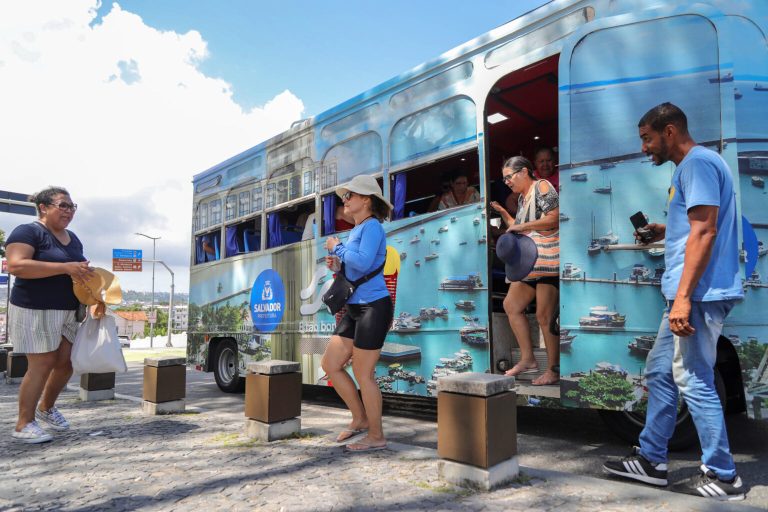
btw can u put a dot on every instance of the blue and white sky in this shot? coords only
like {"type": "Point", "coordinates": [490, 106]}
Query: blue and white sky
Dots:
{"type": "Point", "coordinates": [123, 102]}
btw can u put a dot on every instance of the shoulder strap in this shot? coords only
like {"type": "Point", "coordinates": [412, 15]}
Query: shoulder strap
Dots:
{"type": "Point", "coordinates": [366, 277]}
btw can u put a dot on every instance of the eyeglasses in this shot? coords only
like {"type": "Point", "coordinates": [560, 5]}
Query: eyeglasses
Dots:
{"type": "Point", "coordinates": [65, 207]}
{"type": "Point", "coordinates": [346, 196]}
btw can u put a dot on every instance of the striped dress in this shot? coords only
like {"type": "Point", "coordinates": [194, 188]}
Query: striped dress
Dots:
{"type": "Point", "coordinates": [533, 207]}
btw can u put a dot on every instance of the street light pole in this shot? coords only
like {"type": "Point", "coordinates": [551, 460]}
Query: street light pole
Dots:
{"type": "Point", "coordinates": [152, 307]}
{"type": "Point", "coordinates": [170, 302]}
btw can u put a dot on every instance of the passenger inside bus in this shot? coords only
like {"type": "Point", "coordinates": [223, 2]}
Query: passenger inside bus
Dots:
{"type": "Point", "coordinates": [286, 226]}
{"type": "Point", "coordinates": [445, 186]}
{"type": "Point", "coordinates": [207, 247]}
{"type": "Point", "coordinates": [460, 193]}
{"type": "Point", "coordinates": [537, 216]}
{"type": "Point", "coordinates": [546, 166]}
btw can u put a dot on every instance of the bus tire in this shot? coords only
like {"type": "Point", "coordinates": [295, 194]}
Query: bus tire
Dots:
{"type": "Point", "coordinates": [226, 369]}
{"type": "Point", "coordinates": [628, 425]}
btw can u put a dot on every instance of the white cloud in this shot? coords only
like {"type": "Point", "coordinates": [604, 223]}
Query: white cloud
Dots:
{"type": "Point", "coordinates": [119, 113]}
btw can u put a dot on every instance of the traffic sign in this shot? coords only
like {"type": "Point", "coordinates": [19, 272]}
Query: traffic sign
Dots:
{"type": "Point", "coordinates": [126, 260]}
{"type": "Point", "coordinates": [3, 279]}
{"type": "Point", "coordinates": [14, 202]}
{"type": "Point", "coordinates": [152, 316]}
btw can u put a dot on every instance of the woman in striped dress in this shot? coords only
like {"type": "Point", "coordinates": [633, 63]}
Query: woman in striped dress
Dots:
{"type": "Point", "coordinates": [45, 257]}
{"type": "Point", "coordinates": [538, 217]}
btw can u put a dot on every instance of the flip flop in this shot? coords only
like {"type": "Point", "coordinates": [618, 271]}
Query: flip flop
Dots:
{"type": "Point", "coordinates": [526, 370]}
{"type": "Point", "coordinates": [365, 447]}
{"type": "Point", "coordinates": [347, 434]}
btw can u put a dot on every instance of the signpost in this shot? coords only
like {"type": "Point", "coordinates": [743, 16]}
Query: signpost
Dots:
{"type": "Point", "coordinates": [14, 202]}
{"type": "Point", "coordinates": [126, 260]}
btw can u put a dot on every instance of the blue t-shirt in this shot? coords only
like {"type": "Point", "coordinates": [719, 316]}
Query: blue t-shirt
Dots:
{"type": "Point", "coordinates": [703, 179]}
{"type": "Point", "coordinates": [364, 251]}
{"type": "Point", "coordinates": [53, 292]}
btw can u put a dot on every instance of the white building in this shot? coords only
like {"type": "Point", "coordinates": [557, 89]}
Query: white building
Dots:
{"type": "Point", "coordinates": [180, 317]}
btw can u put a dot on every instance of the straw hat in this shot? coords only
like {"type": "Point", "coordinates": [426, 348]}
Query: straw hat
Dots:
{"type": "Point", "coordinates": [100, 286]}
{"type": "Point", "coordinates": [364, 185]}
{"type": "Point", "coordinates": [519, 254]}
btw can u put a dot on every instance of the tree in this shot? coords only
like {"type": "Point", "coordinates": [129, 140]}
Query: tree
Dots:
{"type": "Point", "coordinates": [604, 390]}
{"type": "Point", "coordinates": [161, 326]}
{"type": "Point", "coordinates": [2, 243]}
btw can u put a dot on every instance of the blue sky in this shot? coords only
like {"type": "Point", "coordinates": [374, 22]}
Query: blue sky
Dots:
{"type": "Point", "coordinates": [123, 102]}
{"type": "Point", "coordinates": [323, 52]}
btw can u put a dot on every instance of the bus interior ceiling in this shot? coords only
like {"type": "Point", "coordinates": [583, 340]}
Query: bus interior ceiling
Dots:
{"type": "Point", "coordinates": [528, 99]}
{"type": "Point", "coordinates": [426, 183]}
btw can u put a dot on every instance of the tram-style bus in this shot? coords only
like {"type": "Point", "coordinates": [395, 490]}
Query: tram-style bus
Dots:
{"type": "Point", "coordinates": [573, 75]}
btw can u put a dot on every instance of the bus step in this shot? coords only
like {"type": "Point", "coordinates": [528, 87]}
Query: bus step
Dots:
{"type": "Point", "coordinates": [541, 357]}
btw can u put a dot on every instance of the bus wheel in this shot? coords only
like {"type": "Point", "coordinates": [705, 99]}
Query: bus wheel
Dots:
{"type": "Point", "coordinates": [226, 369]}
{"type": "Point", "coordinates": [628, 425]}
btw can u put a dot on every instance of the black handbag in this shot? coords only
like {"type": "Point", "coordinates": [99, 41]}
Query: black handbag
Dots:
{"type": "Point", "coordinates": [342, 289]}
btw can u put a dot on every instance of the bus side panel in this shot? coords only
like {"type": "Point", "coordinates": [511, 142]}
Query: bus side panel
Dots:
{"type": "Point", "coordinates": [611, 301]}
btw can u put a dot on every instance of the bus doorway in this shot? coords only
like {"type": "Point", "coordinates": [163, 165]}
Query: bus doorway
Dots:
{"type": "Point", "coordinates": [521, 113]}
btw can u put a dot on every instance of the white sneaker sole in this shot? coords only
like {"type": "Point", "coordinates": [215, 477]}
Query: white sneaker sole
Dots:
{"type": "Point", "coordinates": [659, 482]}
{"type": "Point", "coordinates": [33, 440]}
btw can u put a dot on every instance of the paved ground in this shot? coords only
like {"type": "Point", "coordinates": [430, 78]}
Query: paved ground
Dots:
{"type": "Point", "coordinates": [115, 458]}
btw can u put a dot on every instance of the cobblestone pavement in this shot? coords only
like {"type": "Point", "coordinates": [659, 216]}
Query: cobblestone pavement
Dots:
{"type": "Point", "coordinates": [115, 458]}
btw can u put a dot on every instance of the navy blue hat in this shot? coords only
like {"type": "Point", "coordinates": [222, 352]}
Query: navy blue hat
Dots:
{"type": "Point", "coordinates": [519, 254]}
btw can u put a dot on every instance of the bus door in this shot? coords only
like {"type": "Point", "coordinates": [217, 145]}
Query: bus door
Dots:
{"type": "Point", "coordinates": [521, 115]}
{"type": "Point", "coordinates": [610, 73]}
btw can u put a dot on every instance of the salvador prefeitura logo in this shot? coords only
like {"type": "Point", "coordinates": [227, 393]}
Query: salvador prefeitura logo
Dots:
{"type": "Point", "coordinates": [267, 301]}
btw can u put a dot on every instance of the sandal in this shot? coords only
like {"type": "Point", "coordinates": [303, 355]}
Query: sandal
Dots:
{"type": "Point", "coordinates": [349, 433]}
{"type": "Point", "coordinates": [518, 369]}
{"type": "Point", "coordinates": [554, 370]}
{"type": "Point", "coordinates": [361, 446]}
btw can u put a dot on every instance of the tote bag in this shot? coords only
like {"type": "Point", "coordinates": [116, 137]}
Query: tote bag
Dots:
{"type": "Point", "coordinates": [548, 262]}
{"type": "Point", "coordinates": [97, 348]}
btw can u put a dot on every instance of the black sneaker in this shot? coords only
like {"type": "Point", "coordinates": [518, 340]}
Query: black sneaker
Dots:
{"type": "Point", "coordinates": [709, 486]}
{"type": "Point", "coordinates": [636, 467]}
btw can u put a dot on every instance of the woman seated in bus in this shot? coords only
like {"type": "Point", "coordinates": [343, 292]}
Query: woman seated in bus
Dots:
{"type": "Point", "coordinates": [460, 193]}
{"type": "Point", "coordinates": [361, 332]}
{"type": "Point", "coordinates": [538, 217]}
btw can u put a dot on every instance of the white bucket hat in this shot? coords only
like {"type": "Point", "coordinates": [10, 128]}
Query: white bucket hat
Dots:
{"type": "Point", "coordinates": [364, 185]}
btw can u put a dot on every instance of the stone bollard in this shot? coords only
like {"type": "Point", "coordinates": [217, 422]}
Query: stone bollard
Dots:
{"type": "Point", "coordinates": [5, 348]}
{"type": "Point", "coordinates": [273, 400]}
{"type": "Point", "coordinates": [477, 430]}
{"type": "Point", "coordinates": [17, 367]}
{"type": "Point", "coordinates": [165, 382]}
{"type": "Point", "coordinates": [97, 386]}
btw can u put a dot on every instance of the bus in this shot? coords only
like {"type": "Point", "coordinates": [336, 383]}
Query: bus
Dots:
{"type": "Point", "coordinates": [571, 75]}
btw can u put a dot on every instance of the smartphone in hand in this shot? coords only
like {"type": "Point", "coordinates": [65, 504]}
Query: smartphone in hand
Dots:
{"type": "Point", "coordinates": [640, 224]}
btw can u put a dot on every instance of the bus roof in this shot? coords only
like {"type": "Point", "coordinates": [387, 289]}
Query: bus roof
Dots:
{"type": "Point", "coordinates": [493, 37]}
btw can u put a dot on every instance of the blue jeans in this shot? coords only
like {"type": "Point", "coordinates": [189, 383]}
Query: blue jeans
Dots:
{"type": "Point", "coordinates": [687, 364]}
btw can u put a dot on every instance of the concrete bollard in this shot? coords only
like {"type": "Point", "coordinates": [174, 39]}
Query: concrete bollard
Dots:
{"type": "Point", "coordinates": [477, 430]}
{"type": "Point", "coordinates": [273, 400]}
{"type": "Point", "coordinates": [17, 367]}
{"type": "Point", "coordinates": [97, 386]}
{"type": "Point", "coordinates": [5, 348]}
{"type": "Point", "coordinates": [165, 382]}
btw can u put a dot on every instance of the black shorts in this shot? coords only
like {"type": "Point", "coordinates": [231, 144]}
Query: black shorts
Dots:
{"type": "Point", "coordinates": [553, 280]}
{"type": "Point", "coordinates": [367, 324]}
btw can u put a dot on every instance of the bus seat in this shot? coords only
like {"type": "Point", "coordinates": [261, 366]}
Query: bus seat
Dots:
{"type": "Point", "coordinates": [251, 240]}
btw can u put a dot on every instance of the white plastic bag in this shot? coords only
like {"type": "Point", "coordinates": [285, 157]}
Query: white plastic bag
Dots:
{"type": "Point", "coordinates": [97, 348]}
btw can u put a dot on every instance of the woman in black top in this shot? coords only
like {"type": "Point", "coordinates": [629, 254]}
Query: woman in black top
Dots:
{"type": "Point", "coordinates": [45, 257]}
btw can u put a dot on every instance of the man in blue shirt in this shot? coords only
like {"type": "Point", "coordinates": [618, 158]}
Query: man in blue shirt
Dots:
{"type": "Point", "coordinates": [701, 284]}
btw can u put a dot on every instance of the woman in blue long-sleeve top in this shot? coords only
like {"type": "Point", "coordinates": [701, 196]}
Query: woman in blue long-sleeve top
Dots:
{"type": "Point", "coordinates": [360, 333]}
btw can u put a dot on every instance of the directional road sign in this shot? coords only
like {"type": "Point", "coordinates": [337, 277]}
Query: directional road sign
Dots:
{"type": "Point", "coordinates": [126, 260]}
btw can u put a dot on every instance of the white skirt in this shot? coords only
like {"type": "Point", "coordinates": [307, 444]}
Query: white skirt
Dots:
{"type": "Point", "coordinates": [36, 331]}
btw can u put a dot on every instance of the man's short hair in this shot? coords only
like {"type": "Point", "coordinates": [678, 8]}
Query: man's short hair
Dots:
{"type": "Point", "coordinates": [543, 149]}
{"type": "Point", "coordinates": [665, 114]}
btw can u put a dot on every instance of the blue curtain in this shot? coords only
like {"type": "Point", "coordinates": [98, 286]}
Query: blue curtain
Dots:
{"type": "Point", "coordinates": [399, 197]}
{"type": "Point", "coordinates": [232, 247]}
{"type": "Point", "coordinates": [216, 245]}
{"type": "Point", "coordinates": [199, 252]}
{"type": "Point", "coordinates": [329, 214]}
{"type": "Point", "coordinates": [273, 227]}
{"type": "Point", "coordinates": [251, 240]}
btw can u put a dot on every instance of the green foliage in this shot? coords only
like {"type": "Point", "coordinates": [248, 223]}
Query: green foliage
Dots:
{"type": "Point", "coordinates": [2, 243]}
{"type": "Point", "coordinates": [604, 390]}
{"type": "Point", "coordinates": [223, 318]}
{"type": "Point", "coordinates": [750, 354]}
{"type": "Point", "coordinates": [161, 326]}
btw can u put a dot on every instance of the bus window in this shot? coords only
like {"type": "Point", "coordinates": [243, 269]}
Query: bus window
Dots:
{"type": "Point", "coordinates": [257, 200]}
{"type": "Point", "coordinates": [230, 207]}
{"type": "Point", "coordinates": [334, 218]}
{"type": "Point", "coordinates": [422, 189]}
{"type": "Point", "coordinates": [208, 247]}
{"type": "Point", "coordinates": [287, 225]}
{"type": "Point", "coordinates": [244, 203]}
{"type": "Point", "coordinates": [359, 155]}
{"type": "Point", "coordinates": [215, 211]}
{"type": "Point", "coordinates": [243, 237]}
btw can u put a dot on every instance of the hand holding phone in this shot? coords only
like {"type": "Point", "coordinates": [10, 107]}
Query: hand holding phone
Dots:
{"type": "Point", "coordinates": [643, 231]}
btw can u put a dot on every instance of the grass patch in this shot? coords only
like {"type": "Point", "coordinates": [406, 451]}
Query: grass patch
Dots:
{"type": "Point", "coordinates": [234, 440]}
{"type": "Point", "coordinates": [302, 435]}
{"type": "Point", "coordinates": [138, 356]}
{"type": "Point", "coordinates": [522, 479]}
{"type": "Point", "coordinates": [444, 489]}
